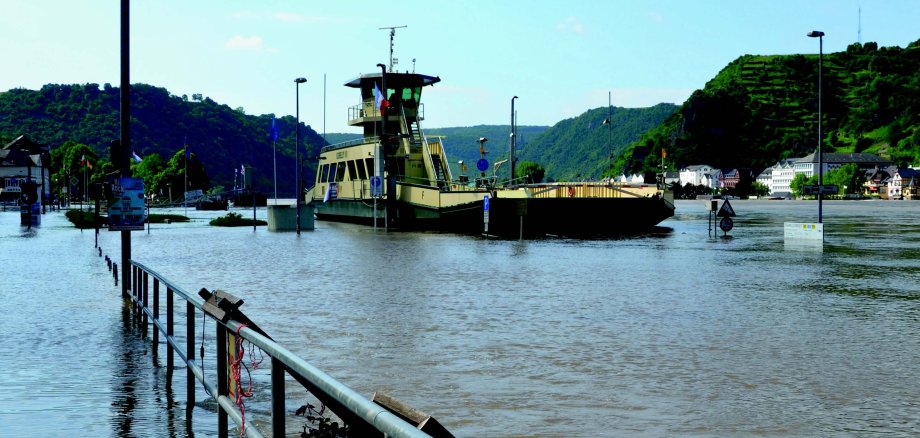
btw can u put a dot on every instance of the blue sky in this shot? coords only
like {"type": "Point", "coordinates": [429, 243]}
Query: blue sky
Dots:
{"type": "Point", "coordinates": [560, 57]}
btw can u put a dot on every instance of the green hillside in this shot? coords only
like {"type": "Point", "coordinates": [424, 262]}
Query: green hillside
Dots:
{"type": "Point", "coordinates": [221, 138]}
{"type": "Point", "coordinates": [760, 109]}
{"type": "Point", "coordinates": [578, 148]}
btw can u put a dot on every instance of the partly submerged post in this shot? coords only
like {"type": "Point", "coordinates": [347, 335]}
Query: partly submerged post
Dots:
{"type": "Point", "coordinates": [123, 157]}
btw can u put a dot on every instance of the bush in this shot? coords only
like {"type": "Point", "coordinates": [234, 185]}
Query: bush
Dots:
{"type": "Point", "coordinates": [234, 220]}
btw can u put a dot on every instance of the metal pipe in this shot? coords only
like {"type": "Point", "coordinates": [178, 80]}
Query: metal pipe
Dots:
{"type": "Point", "coordinates": [278, 395]}
{"type": "Point", "coordinates": [190, 354]}
{"type": "Point", "coordinates": [222, 385]}
{"type": "Point", "coordinates": [170, 317]}
{"type": "Point", "coordinates": [156, 316]}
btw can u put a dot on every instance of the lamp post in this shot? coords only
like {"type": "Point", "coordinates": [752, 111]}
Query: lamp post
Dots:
{"type": "Point", "coordinates": [820, 36]}
{"type": "Point", "coordinates": [297, 191]}
{"type": "Point", "coordinates": [513, 133]}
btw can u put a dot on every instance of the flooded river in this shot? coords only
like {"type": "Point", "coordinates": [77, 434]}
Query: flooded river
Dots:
{"type": "Point", "coordinates": [673, 333]}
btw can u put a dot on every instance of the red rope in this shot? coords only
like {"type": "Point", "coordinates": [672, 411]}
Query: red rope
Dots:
{"type": "Point", "coordinates": [236, 368]}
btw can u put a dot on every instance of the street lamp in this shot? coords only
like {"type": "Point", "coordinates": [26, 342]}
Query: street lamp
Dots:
{"type": "Point", "coordinates": [511, 157]}
{"type": "Point", "coordinates": [820, 36]}
{"type": "Point", "coordinates": [297, 191]}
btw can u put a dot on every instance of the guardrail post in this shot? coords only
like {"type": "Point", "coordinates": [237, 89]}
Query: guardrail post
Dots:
{"type": "Point", "coordinates": [133, 277]}
{"type": "Point", "coordinates": [156, 317]}
{"type": "Point", "coordinates": [277, 398]}
{"type": "Point", "coordinates": [145, 293]}
{"type": "Point", "coordinates": [222, 386]}
{"type": "Point", "coordinates": [170, 316]}
{"type": "Point", "coordinates": [190, 356]}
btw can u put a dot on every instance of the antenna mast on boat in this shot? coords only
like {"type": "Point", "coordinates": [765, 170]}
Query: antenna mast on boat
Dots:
{"type": "Point", "coordinates": [392, 29]}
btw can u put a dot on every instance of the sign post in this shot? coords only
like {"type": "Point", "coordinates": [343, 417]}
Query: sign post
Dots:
{"type": "Point", "coordinates": [376, 192]}
{"type": "Point", "coordinates": [485, 213]}
{"type": "Point", "coordinates": [726, 213]}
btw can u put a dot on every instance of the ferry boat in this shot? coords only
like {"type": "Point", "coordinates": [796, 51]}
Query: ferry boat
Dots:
{"type": "Point", "coordinates": [396, 177]}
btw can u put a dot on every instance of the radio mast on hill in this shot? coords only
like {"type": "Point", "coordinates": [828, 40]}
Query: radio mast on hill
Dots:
{"type": "Point", "coordinates": [859, 25]}
{"type": "Point", "coordinates": [393, 61]}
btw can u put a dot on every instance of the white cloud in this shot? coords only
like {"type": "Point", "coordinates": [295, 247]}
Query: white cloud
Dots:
{"type": "Point", "coordinates": [571, 24]}
{"type": "Point", "coordinates": [239, 42]}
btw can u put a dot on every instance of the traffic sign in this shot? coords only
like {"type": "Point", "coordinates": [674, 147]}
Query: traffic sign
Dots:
{"type": "Point", "coordinates": [482, 165]}
{"type": "Point", "coordinates": [726, 224]}
{"type": "Point", "coordinates": [376, 186]}
{"type": "Point", "coordinates": [827, 189]}
{"type": "Point", "coordinates": [485, 203]}
{"type": "Point", "coordinates": [74, 181]}
{"type": "Point", "coordinates": [726, 210]}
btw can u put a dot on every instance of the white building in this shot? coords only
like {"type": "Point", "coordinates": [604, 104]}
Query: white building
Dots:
{"type": "Point", "coordinates": [699, 175]}
{"type": "Point", "coordinates": [809, 164]}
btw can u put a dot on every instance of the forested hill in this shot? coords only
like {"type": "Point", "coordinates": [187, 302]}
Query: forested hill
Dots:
{"type": "Point", "coordinates": [581, 147]}
{"type": "Point", "coordinates": [760, 109]}
{"type": "Point", "coordinates": [222, 138]}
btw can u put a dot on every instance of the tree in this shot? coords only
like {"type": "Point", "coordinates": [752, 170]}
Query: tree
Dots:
{"type": "Point", "coordinates": [848, 178]}
{"type": "Point", "coordinates": [531, 169]}
{"type": "Point", "coordinates": [759, 190]}
{"type": "Point", "coordinates": [798, 181]}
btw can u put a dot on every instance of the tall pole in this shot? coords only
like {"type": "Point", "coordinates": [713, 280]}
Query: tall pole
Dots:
{"type": "Point", "coordinates": [820, 35]}
{"type": "Point", "coordinates": [297, 191]}
{"type": "Point", "coordinates": [274, 164]}
{"type": "Point", "coordinates": [513, 134]}
{"type": "Point", "coordinates": [185, 186]}
{"type": "Point", "coordinates": [609, 133]}
{"type": "Point", "coordinates": [388, 164]}
{"type": "Point", "coordinates": [125, 165]}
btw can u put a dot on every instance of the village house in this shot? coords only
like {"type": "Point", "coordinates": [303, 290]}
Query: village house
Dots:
{"type": "Point", "coordinates": [22, 160]}
{"type": "Point", "coordinates": [729, 179]}
{"type": "Point", "coordinates": [699, 175]}
{"type": "Point", "coordinates": [903, 184]}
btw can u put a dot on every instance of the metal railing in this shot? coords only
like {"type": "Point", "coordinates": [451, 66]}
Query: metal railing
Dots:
{"type": "Point", "coordinates": [363, 417]}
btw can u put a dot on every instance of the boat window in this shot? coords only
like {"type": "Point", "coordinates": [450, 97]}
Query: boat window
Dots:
{"type": "Point", "coordinates": [340, 171]}
{"type": "Point", "coordinates": [352, 173]}
{"type": "Point", "coordinates": [411, 96]}
{"type": "Point", "coordinates": [331, 176]}
{"type": "Point", "coordinates": [362, 174]}
{"type": "Point", "coordinates": [369, 162]}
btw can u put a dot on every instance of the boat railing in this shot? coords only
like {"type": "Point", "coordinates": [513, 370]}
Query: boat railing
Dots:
{"type": "Point", "coordinates": [591, 189]}
{"type": "Point", "coordinates": [363, 416]}
{"type": "Point", "coordinates": [349, 143]}
{"type": "Point", "coordinates": [368, 110]}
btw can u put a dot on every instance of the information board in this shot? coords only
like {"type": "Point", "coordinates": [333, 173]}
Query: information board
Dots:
{"type": "Point", "coordinates": [126, 208]}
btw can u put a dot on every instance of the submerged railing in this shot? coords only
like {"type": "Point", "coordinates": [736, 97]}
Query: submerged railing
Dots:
{"type": "Point", "coordinates": [363, 416]}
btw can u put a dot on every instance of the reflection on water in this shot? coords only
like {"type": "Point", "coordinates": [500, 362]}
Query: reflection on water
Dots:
{"type": "Point", "coordinates": [668, 333]}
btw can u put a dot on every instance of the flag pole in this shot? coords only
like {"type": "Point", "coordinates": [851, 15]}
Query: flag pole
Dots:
{"type": "Point", "coordinates": [185, 188]}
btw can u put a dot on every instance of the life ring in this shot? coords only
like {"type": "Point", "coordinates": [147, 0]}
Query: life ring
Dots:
{"type": "Point", "coordinates": [571, 192]}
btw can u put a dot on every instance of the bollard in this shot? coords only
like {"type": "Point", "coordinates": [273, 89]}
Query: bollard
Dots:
{"type": "Point", "coordinates": [115, 272]}
{"type": "Point", "coordinates": [100, 251]}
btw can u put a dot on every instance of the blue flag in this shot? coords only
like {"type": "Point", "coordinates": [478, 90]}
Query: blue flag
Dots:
{"type": "Point", "coordinates": [274, 131]}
